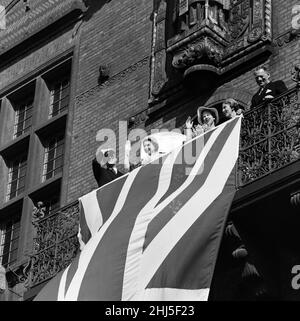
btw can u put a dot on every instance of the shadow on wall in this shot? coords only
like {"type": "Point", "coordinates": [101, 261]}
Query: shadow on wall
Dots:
{"type": "Point", "coordinates": [93, 6]}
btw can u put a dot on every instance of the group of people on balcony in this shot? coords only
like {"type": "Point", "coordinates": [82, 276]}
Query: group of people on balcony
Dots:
{"type": "Point", "coordinates": [105, 163]}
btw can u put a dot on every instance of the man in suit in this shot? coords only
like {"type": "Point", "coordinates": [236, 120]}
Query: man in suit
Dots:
{"type": "Point", "coordinates": [104, 166]}
{"type": "Point", "coordinates": [267, 89]}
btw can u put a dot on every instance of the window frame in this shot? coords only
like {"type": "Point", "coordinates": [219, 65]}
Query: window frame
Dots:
{"type": "Point", "coordinates": [22, 162]}
{"type": "Point", "coordinates": [59, 141]}
{"type": "Point", "coordinates": [14, 225]}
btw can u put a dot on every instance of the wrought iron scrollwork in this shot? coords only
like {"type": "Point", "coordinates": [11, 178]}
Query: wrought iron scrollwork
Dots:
{"type": "Point", "coordinates": [270, 137]}
{"type": "Point", "coordinates": [55, 244]}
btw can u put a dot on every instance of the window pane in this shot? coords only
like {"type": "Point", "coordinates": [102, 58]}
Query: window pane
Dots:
{"type": "Point", "coordinates": [23, 119]}
{"type": "Point", "coordinates": [9, 238]}
{"type": "Point", "coordinates": [53, 157]}
{"type": "Point", "coordinates": [59, 97]}
{"type": "Point", "coordinates": [16, 177]}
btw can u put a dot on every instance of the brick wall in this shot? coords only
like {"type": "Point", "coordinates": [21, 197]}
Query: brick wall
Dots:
{"type": "Point", "coordinates": [119, 34]}
{"type": "Point", "coordinates": [35, 59]}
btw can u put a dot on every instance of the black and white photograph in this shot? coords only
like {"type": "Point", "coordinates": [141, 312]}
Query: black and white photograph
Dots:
{"type": "Point", "coordinates": [150, 153]}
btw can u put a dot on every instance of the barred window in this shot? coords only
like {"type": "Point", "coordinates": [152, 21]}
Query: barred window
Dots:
{"type": "Point", "coordinates": [16, 177]}
{"type": "Point", "coordinates": [53, 161]}
{"type": "Point", "coordinates": [23, 118]}
{"type": "Point", "coordinates": [59, 97]}
{"type": "Point", "coordinates": [9, 239]}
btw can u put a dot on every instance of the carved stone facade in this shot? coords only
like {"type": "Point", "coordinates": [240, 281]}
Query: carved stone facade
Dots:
{"type": "Point", "coordinates": [207, 39]}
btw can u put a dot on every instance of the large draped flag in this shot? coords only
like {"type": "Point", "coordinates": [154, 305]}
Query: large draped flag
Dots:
{"type": "Point", "coordinates": [154, 234]}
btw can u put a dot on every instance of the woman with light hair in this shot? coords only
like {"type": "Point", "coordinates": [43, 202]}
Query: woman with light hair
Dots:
{"type": "Point", "coordinates": [231, 108]}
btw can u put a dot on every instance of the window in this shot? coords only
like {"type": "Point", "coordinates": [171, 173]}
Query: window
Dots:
{"type": "Point", "coordinates": [53, 161]}
{"type": "Point", "coordinates": [16, 177]}
{"type": "Point", "coordinates": [52, 204]}
{"type": "Point", "coordinates": [59, 97]}
{"type": "Point", "coordinates": [23, 118]}
{"type": "Point", "coordinates": [9, 238]}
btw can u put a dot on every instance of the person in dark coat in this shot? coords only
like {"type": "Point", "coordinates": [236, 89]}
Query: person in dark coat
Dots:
{"type": "Point", "coordinates": [104, 166]}
{"type": "Point", "coordinates": [267, 89]}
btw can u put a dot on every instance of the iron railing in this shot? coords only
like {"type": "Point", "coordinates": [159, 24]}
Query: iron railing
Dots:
{"type": "Point", "coordinates": [270, 139]}
{"type": "Point", "coordinates": [55, 244]}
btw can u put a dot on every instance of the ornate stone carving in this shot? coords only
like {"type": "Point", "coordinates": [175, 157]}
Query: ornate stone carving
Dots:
{"type": "Point", "coordinates": [198, 50]}
{"type": "Point", "coordinates": [239, 19]}
{"type": "Point", "coordinates": [214, 35]}
{"type": "Point", "coordinates": [83, 97]}
{"type": "Point", "coordinates": [103, 74]}
{"type": "Point", "coordinates": [39, 211]}
{"type": "Point", "coordinates": [138, 119]}
{"type": "Point", "coordinates": [296, 74]}
{"type": "Point", "coordinates": [158, 55]}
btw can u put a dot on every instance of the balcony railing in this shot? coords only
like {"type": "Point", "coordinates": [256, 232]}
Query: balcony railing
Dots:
{"type": "Point", "coordinates": [270, 139]}
{"type": "Point", "coordinates": [55, 244]}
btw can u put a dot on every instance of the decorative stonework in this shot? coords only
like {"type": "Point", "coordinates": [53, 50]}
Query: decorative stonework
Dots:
{"type": "Point", "coordinates": [82, 98]}
{"type": "Point", "coordinates": [287, 37]}
{"type": "Point", "coordinates": [159, 56]}
{"type": "Point", "coordinates": [138, 120]}
{"type": "Point", "coordinates": [296, 74]}
{"type": "Point", "coordinates": [208, 38]}
{"type": "Point", "coordinates": [194, 51]}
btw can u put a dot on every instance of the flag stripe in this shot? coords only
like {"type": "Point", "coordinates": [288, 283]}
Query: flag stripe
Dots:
{"type": "Point", "coordinates": [167, 238]}
{"type": "Point", "coordinates": [71, 272]}
{"type": "Point", "coordinates": [50, 290]}
{"type": "Point", "coordinates": [96, 207]}
{"type": "Point", "coordinates": [197, 182]}
{"type": "Point", "coordinates": [172, 294]}
{"type": "Point", "coordinates": [186, 159]}
{"type": "Point", "coordinates": [178, 220]}
{"type": "Point", "coordinates": [62, 285]}
{"type": "Point", "coordinates": [86, 255]}
{"type": "Point", "coordinates": [114, 243]}
{"type": "Point", "coordinates": [83, 230]}
{"type": "Point", "coordinates": [194, 268]}
{"type": "Point", "coordinates": [92, 213]}
{"type": "Point", "coordinates": [134, 249]}
{"type": "Point", "coordinates": [135, 246]}
{"type": "Point", "coordinates": [108, 196]}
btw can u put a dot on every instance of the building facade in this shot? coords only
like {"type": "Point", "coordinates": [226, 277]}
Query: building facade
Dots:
{"type": "Point", "coordinates": [70, 68]}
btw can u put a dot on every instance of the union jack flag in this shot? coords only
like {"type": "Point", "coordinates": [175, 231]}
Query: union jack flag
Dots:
{"type": "Point", "coordinates": [154, 233]}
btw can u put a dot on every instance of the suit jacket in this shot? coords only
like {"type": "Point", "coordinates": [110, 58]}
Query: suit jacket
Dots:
{"type": "Point", "coordinates": [103, 175]}
{"type": "Point", "coordinates": [274, 88]}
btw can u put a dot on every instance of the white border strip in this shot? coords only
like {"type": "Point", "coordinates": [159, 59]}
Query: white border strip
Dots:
{"type": "Point", "coordinates": [89, 249]}
{"type": "Point", "coordinates": [167, 238]}
{"type": "Point", "coordinates": [137, 239]}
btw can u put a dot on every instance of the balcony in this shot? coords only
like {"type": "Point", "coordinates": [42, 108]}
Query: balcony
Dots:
{"type": "Point", "coordinates": [270, 137]}
{"type": "Point", "coordinates": [270, 141]}
{"type": "Point", "coordinates": [55, 244]}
